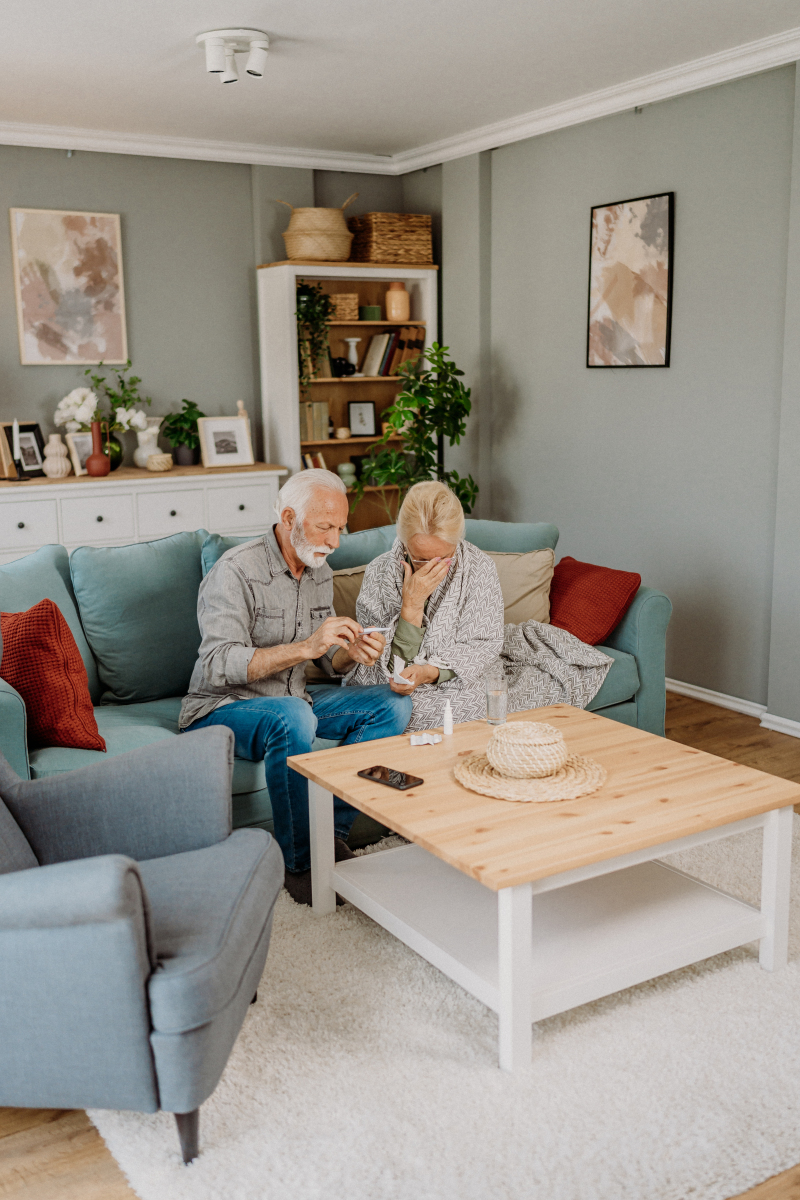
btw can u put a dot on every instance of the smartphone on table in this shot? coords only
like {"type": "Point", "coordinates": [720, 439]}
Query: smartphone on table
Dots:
{"type": "Point", "coordinates": [391, 778]}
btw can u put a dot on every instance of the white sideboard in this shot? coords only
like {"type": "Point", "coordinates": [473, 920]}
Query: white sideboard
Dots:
{"type": "Point", "coordinates": [135, 506]}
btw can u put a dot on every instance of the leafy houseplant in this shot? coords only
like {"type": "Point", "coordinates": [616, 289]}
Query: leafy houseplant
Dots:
{"type": "Point", "coordinates": [180, 429]}
{"type": "Point", "coordinates": [314, 311]}
{"type": "Point", "coordinates": [433, 405]}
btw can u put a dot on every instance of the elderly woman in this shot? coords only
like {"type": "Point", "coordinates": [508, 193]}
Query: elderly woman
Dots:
{"type": "Point", "coordinates": [439, 598]}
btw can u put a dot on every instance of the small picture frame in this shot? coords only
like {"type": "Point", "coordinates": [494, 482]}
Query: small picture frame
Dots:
{"type": "Point", "coordinates": [361, 418]}
{"type": "Point", "coordinates": [80, 447]}
{"type": "Point", "coordinates": [31, 447]}
{"type": "Point", "coordinates": [225, 441]}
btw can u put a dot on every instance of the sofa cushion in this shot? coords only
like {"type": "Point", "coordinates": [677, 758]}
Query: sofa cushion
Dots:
{"type": "Point", "coordinates": [42, 662]}
{"type": "Point", "coordinates": [511, 536]}
{"type": "Point", "coordinates": [356, 549]}
{"type": "Point", "coordinates": [44, 575]}
{"type": "Point", "coordinates": [590, 601]}
{"type": "Point", "coordinates": [138, 606]}
{"type": "Point", "coordinates": [217, 544]}
{"type": "Point", "coordinates": [123, 727]}
{"type": "Point", "coordinates": [620, 684]}
{"type": "Point", "coordinates": [525, 584]}
{"type": "Point", "coordinates": [346, 586]}
{"type": "Point", "coordinates": [208, 911]}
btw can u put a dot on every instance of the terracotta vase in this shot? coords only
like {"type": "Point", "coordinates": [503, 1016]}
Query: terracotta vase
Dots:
{"type": "Point", "coordinates": [97, 463]}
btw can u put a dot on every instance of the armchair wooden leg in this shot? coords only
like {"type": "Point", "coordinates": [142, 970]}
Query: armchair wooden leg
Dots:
{"type": "Point", "coordinates": [188, 1132]}
{"type": "Point", "coordinates": [255, 998]}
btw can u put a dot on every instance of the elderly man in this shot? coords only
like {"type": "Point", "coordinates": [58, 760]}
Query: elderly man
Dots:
{"type": "Point", "coordinates": [264, 611]}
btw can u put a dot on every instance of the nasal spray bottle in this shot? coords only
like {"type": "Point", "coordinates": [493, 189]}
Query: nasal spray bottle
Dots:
{"type": "Point", "coordinates": [447, 724]}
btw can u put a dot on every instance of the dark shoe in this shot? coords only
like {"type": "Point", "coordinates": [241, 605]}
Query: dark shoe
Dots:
{"type": "Point", "coordinates": [341, 850]}
{"type": "Point", "coordinates": [298, 884]}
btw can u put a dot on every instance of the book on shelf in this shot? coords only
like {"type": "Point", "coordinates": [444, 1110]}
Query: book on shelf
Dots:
{"type": "Point", "coordinates": [306, 420]}
{"type": "Point", "coordinates": [375, 352]}
{"type": "Point", "coordinates": [404, 336]}
{"type": "Point", "coordinates": [308, 461]}
{"type": "Point", "coordinates": [388, 352]}
{"type": "Point", "coordinates": [320, 421]}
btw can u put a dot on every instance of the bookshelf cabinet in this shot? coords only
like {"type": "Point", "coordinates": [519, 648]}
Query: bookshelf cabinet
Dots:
{"type": "Point", "coordinates": [280, 380]}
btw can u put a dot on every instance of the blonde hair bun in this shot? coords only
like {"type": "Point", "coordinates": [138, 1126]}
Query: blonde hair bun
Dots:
{"type": "Point", "coordinates": [432, 510]}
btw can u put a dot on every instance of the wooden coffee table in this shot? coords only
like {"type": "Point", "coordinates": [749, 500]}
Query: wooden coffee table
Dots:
{"type": "Point", "coordinates": [537, 908]}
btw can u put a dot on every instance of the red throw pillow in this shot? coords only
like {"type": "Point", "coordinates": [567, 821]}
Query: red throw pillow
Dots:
{"type": "Point", "coordinates": [590, 601]}
{"type": "Point", "coordinates": [41, 660]}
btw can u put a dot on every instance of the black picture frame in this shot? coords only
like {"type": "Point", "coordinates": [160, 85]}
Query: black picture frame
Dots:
{"type": "Point", "coordinates": [29, 427]}
{"type": "Point", "coordinates": [361, 418]}
{"type": "Point", "coordinates": [609, 337]}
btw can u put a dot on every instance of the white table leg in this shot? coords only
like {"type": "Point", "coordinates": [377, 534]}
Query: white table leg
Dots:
{"type": "Point", "coordinates": [776, 869]}
{"type": "Point", "coordinates": [320, 819]}
{"type": "Point", "coordinates": [515, 946]}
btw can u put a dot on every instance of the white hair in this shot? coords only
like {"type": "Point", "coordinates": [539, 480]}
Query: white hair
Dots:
{"type": "Point", "coordinates": [296, 493]}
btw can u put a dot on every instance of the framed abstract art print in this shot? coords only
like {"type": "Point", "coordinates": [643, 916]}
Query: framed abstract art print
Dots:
{"type": "Point", "coordinates": [68, 281]}
{"type": "Point", "coordinates": [630, 283]}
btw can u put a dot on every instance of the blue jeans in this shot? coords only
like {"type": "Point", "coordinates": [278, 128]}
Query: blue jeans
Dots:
{"type": "Point", "coordinates": [274, 727]}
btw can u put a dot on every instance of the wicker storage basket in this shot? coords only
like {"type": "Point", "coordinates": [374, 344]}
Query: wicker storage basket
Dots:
{"type": "Point", "coordinates": [320, 234]}
{"type": "Point", "coordinates": [392, 238]}
{"type": "Point", "coordinates": [345, 306]}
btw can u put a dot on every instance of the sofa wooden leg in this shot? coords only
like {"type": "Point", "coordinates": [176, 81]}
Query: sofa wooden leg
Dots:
{"type": "Point", "coordinates": [188, 1132]}
{"type": "Point", "coordinates": [255, 998]}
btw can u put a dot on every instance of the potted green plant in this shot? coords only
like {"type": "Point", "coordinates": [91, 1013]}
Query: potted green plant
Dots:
{"type": "Point", "coordinates": [314, 309]}
{"type": "Point", "coordinates": [180, 429]}
{"type": "Point", "coordinates": [433, 405]}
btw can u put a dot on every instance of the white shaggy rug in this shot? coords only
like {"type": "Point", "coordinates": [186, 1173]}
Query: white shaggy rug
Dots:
{"type": "Point", "coordinates": [364, 1074]}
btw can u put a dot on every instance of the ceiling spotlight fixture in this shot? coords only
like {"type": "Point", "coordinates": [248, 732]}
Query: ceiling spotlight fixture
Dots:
{"type": "Point", "coordinates": [222, 45]}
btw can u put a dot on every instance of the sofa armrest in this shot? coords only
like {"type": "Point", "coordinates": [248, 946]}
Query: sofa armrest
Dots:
{"type": "Point", "coordinates": [74, 1018]}
{"type": "Point", "coordinates": [642, 633]}
{"type": "Point", "coordinates": [14, 730]}
{"type": "Point", "coordinates": [157, 800]}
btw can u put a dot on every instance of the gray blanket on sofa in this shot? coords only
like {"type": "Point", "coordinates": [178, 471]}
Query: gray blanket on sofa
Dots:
{"type": "Point", "coordinates": [546, 665]}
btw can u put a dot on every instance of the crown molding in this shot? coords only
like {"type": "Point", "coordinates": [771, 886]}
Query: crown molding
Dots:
{"type": "Point", "coordinates": [748, 59]}
{"type": "Point", "coordinates": [59, 137]}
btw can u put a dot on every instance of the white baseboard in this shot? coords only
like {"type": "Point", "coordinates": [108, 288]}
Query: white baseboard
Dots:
{"type": "Point", "coordinates": [781, 724]}
{"type": "Point", "coordinates": [748, 707]}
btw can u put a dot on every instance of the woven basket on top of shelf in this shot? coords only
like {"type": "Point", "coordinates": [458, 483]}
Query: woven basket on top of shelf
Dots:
{"type": "Point", "coordinates": [391, 238]}
{"type": "Point", "coordinates": [318, 233]}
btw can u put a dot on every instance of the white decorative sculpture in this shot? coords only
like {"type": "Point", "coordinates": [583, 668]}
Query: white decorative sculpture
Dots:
{"type": "Point", "coordinates": [148, 442]}
{"type": "Point", "coordinates": [56, 463]}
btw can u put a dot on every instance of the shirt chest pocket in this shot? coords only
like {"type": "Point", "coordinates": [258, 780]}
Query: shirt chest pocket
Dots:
{"type": "Point", "coordinates": [268, 628]}
{"type": "Point", "coordinates": [320, 614]}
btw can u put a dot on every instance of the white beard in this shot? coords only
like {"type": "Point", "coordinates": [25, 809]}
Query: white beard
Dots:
{"type": "Point", "coordinates": [311, 556]}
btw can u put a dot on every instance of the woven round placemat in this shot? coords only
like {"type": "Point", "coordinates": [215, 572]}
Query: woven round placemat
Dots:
{"type": "Point", "coordinates": [527, 750]}
{"type": "Point", "coordinates": [578, 777]}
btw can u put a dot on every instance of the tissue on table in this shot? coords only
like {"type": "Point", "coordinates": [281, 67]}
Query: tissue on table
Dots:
{"type": "Point", "coordinates": [425, 739]}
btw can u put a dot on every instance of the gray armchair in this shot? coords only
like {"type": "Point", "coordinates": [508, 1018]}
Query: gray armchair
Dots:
{"type": "Point", "coordinates": [134, 928]}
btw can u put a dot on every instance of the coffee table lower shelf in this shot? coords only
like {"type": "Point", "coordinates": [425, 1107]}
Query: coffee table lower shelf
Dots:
{"type": "Point", "coordinates": [589, 939]}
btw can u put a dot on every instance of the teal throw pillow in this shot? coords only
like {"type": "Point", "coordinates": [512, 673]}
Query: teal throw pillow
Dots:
{"type": "Point", "coordinates": [138, 605]}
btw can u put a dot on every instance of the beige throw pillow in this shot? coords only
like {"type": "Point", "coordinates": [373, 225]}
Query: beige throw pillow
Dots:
{"type": "Point", "coordinates": [346, 586]}
{"type": "Point", "coordinates": [525, 584]}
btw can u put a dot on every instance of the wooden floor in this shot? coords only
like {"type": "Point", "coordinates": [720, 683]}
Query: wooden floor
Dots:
{"type": "Point", "coordinates": [48, 1154]}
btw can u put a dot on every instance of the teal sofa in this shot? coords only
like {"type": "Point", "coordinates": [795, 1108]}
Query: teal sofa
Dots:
{"type": "Point", "coordinates": [133, 612]}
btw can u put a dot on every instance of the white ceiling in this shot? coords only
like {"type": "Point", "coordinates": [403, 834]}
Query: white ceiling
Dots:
{"type": "Point", "coordinates": [349, 80]}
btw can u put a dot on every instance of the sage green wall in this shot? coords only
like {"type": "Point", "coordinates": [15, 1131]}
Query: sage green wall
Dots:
{"type": "Point", "coordinates": [188, 257]}
{"type": "Point", "coordinates": [672, 472]}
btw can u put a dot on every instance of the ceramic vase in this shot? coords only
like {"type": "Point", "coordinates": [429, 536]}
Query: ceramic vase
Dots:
{"type": "Point", "coordinates": [398, 303]}
{"type": "Point", "coordinates": [347, 473]}
{"type": "Point", "coordinates": [56, 463]}
{"type": "Point", "coordinates": [147, 440]}
{"type": "Point", "coordinates": [184, 456]}
{"type": "Point", "coordinates": [98, 463]}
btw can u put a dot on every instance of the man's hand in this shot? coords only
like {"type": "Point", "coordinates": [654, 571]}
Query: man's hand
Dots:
{"type": "Point", "coordinates": [335, 631]}
{"type": "Point", "coordinates": [419, 585]}
{"type": "Point", "coordinates": [418, 673]}
{"type": "Point", "coordinates": [365, 649]}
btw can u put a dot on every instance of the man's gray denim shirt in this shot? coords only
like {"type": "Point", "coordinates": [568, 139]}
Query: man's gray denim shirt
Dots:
{"type": "Point", "coordinates": [250, 599]}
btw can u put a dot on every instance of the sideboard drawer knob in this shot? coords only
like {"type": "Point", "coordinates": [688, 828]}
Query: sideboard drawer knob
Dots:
{"type": "Point", "coordinates": [99, 518]}
{"type": "Point", "coordinates": [20, 524]}
{"type": "Point", "coordinates": [241, 508]}
{"type": "Point", "coordinates": [172, 512]}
